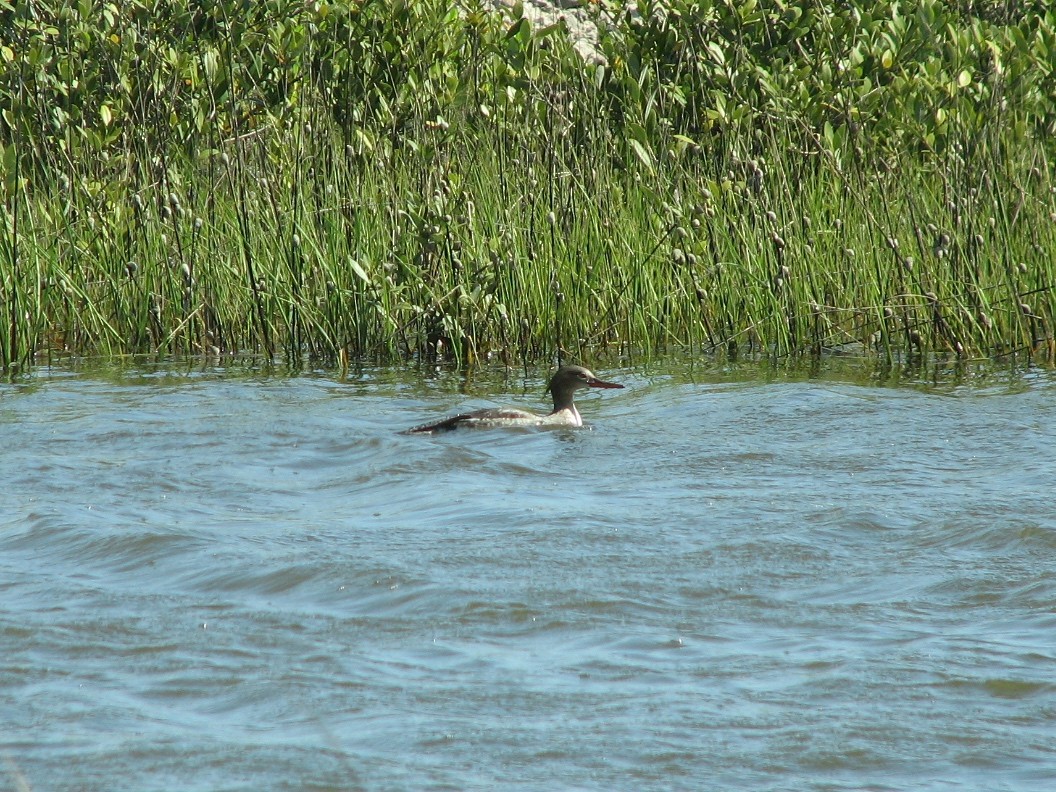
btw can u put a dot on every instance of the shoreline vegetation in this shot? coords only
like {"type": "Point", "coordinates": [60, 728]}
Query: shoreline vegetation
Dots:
{"type": "Point", "coordinates": [397, 179]}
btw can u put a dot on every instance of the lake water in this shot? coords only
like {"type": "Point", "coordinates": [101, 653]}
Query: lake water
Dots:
{"type": "Point", "coordinates": [733, 579]}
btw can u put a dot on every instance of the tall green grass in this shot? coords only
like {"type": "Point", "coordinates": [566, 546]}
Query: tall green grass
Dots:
{"type": "Point", "coordinates": [321, 254]}
{"type": "Point", "coordinates": [504, 200]}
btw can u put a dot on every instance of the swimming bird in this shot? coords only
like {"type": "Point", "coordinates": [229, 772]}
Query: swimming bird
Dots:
{"type": "Point", "coordinates": [563, 386]}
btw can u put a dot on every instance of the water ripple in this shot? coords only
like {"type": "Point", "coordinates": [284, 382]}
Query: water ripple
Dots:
{"type": "Point", "coordinates": [213, 580]}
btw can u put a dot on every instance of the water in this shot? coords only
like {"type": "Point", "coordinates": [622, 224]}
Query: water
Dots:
{"type": "Point", "coordinates": [226, 580]}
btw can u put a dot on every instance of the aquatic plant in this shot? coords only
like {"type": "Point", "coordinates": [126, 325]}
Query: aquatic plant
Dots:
{"type": "Point", "coordinates": [395, 179]}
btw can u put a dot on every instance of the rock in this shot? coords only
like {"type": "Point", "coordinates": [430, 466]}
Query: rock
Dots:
{"type": "Point", "coordinates": [581, 28]}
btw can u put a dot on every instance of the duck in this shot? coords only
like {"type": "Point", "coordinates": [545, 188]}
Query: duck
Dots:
{"type": "Point", "coordinates": [563, 386]}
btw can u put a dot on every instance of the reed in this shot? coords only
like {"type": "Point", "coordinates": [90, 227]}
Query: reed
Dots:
{"type": "Point", "coordinates": [510, 201]}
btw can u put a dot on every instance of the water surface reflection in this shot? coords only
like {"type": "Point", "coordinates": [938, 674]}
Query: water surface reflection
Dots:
{"type": "Point", "coordinates": [735, 577]}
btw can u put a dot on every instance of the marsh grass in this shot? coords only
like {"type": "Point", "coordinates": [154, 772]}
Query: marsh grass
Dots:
{"type": "Point", "coordinates": [325, 253]}
{"type": "Point", "coordinates": [321, 252]}
{"type": "Point", "coordinates": [523, 224]}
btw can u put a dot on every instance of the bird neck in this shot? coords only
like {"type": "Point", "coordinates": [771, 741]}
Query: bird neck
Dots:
{"type": "Point", "coordinates": [563, 400]}
{"type": "Point", "coordinates": [569, 414]}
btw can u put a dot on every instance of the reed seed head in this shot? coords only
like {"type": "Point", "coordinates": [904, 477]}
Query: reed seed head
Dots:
{"type": "Point", "coordinates": [907, 263]}
{"type": "Point", "coordinates": [198, 224]}
{"type": "Point", "coordinates": [1022, 268]}
{"type": "Point", "coordinates": [889, 312]}
{"type": "Point", "coordinates": [771, 215]}
{"type": "Point", "coordinates": [1026, 309]}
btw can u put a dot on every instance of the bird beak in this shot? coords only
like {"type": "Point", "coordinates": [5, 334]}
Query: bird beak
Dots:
{"type": "Point", "coordinates": [596, 383]}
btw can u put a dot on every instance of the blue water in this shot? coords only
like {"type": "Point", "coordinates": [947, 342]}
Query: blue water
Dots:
{"type": "Point", "coordinates": [732, 578]}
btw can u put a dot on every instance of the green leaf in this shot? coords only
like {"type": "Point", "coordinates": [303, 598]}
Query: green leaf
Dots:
{"type": "Point", "coordinates": [358, 269]}
{"type": "Point", "coordinates": [519, 29]}
{"type": "Point", "coordinates": [210, 62]}
{"type": "Point", "coordinates": [7, 156]}
{"type": "Point", "coordinates": [642, 153]}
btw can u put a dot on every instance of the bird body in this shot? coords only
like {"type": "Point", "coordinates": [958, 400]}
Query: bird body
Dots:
{"type": "Point", "coordinates": [563, 386]}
